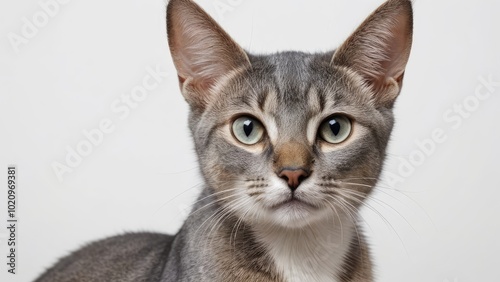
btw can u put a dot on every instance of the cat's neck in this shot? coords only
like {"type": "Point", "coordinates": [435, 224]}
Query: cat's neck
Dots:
{"type": "Point", "coordinates": [313, 253]}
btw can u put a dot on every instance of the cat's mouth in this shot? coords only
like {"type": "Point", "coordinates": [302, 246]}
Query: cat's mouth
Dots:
{"type": "Point", "coordinates": [293, 202]}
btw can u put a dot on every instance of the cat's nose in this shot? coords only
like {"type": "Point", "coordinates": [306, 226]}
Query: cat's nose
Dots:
{"type": "Point", "coordinates": [293, 177]}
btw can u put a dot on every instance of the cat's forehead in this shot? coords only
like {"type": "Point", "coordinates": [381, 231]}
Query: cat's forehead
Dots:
{"type": "Point", "coordinates": [292, 73]}
{"type": "Point", "coordinates": [290, 69]}
{"type": "Point", "coordinates": [297, 82]}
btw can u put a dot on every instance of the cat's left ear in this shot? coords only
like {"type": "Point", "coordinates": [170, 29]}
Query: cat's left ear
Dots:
{"type": "Point", "coordinates": [202, 51]}
{"type": "Point", "coordinates": [379, 49]}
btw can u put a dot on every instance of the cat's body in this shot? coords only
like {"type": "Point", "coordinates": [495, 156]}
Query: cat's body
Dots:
{"type": "Point", "coordinates": [222, 256]}
{"type": "Point", "coordinates": [289, 146]}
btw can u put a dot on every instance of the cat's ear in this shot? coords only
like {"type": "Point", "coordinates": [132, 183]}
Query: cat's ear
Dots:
{"type": "Point", "coordinates": [379, 49]}
{"type": "Point", "coordinates": [203, 53]}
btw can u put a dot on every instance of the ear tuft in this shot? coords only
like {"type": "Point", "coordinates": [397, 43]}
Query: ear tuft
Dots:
{"type": "Point", "coordinates": [379, 49]}
{"type": "Point", "coordinates": [202, 51]}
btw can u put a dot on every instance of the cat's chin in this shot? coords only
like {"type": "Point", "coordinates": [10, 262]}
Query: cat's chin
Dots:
{"type": "Point", "coordinates": [295, 214]}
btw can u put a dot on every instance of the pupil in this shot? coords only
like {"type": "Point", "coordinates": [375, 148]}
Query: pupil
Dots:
{"type": "Point", "coordinates": [248, 127]}
{"type": "Point", "coordinates": [334, 126]}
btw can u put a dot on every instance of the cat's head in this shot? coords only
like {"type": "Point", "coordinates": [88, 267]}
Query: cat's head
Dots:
{"type": "Point", "coordinates": [290, 138]}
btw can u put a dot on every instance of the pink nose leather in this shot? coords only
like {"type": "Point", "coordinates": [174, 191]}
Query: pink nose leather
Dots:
{"type": "Point", "coordinates": [293, 177]}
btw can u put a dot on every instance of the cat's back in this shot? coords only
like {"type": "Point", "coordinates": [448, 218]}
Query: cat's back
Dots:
{"type": "Point", "coordinates": [127, 257]}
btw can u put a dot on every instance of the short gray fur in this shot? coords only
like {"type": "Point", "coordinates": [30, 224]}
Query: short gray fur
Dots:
{"type": "Point", "coordinates": [219, 240]}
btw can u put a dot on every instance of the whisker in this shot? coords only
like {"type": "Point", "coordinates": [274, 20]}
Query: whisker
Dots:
{"type": "Point", "coordinates": [352, 197]}
{"type": "Point", "coordinates": [229, 209]}
{"type": "Point", "coordinates": [350, 214]}
{"type": "Point", "coordinates": [212, 194]}
{"type": "Point", "coordinates": [238, 223]}
{"type": "Point", "coordinates": [216, 201]}
{"type": "Point", "coordinates": [357, 178]}
{"type": "Point", "coordinates": [176, 196]}
{"type": "Point", "coordinates": [371, 196]}
{"type": "Point", "coordinates": [380, 188]}
{"type": "Point", "coordinates": [216, 213]}
{"type": "Point", "coordinates": [338, 216]}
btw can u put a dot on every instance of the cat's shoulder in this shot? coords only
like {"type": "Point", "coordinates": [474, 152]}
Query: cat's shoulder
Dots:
{"type": "Point", "coordinates": [126, 257]}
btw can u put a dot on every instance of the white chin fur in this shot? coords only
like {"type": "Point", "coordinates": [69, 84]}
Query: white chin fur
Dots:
{"type": "Point", "coordinates": [296, 216]}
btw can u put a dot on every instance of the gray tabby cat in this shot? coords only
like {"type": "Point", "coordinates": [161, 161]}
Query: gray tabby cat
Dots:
{"type": "Point", "coordinates": [289, 146]}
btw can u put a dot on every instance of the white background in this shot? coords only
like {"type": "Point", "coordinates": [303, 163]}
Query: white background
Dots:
{"type": "Point", "coordinates": [441, 217]}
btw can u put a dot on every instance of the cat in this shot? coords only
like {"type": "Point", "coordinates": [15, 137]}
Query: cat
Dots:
{"type": "Point", "coordinates": [289, 146]}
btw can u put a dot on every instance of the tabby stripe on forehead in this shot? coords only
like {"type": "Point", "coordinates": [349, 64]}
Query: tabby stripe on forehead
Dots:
{"type": "Point", "coordinates": [316, 100]}
{"type": "Point", "coordinates": [262, 99]}
{"type": "Point", "coordinates": [321, 98]}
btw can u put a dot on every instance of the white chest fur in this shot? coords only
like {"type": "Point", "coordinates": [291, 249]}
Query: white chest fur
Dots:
{"type": "Point", "coordinates": [314, 254]}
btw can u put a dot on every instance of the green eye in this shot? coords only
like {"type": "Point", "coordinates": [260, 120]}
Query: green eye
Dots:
{"type": "Point", "coordinates": [248, 130]}
{"type": "Point", "coordinates": [335, 129]}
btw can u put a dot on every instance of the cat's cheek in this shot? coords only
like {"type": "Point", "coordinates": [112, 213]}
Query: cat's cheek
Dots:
{"type": "Point", "coordinates": [276, 193]}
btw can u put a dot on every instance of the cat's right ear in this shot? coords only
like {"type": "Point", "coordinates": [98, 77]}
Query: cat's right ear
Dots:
{"type": "Point", "coordinates": [203, 53]}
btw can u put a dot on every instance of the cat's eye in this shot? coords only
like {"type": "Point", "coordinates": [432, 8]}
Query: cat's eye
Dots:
{"type": "Point", "coordinates": [248, 130]}
{"type": "Point", "coordinates": [335, 129]}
